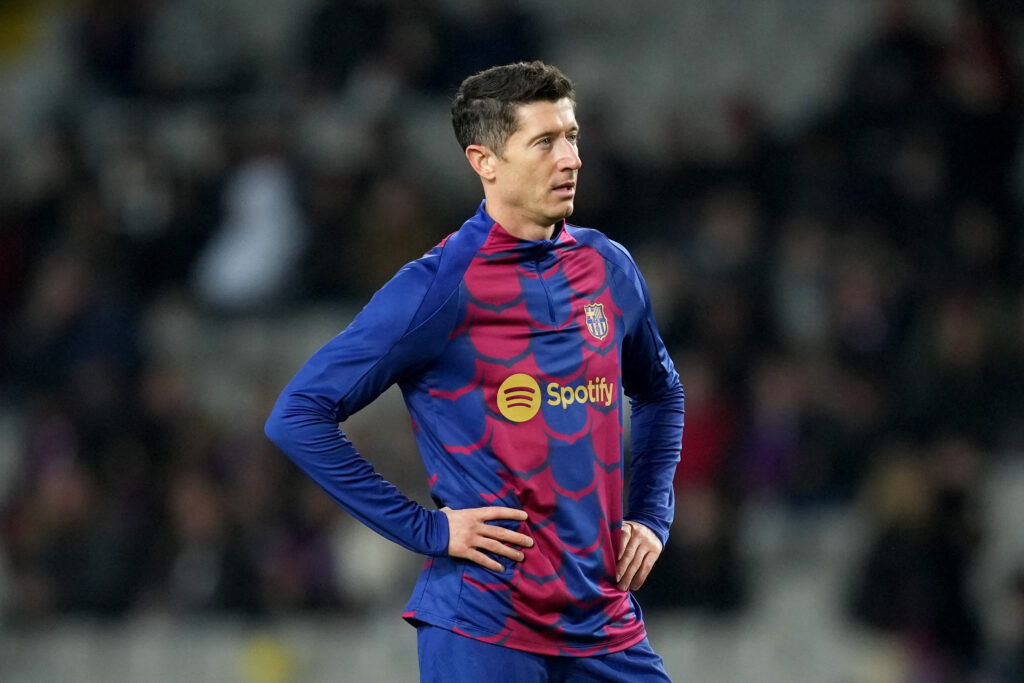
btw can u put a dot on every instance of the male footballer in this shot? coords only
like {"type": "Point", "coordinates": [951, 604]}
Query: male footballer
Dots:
{"type": "Point", "coordinates": [513, 341]}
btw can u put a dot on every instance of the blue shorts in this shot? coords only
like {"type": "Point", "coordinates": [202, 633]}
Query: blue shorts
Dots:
{"type": "Point", "coordinates": [447, 657]}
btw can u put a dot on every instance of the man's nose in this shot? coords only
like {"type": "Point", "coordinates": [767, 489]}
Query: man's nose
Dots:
{"type": "Point", "coordinates": [570, 158]}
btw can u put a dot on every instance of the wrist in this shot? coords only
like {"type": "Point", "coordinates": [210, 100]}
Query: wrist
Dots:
{"type": "Point", "coordinates": [437, 533]}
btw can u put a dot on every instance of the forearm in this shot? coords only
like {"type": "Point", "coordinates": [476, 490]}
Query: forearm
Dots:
{"type": "Point", "coordinates": [317, 445]}
{"type": "Point", "coordinates": [656, 440]}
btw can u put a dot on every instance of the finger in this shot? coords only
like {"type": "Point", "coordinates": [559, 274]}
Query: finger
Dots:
{"type": "Point", "coordinates": [627, 533]}
{"type": "Point", "coordinates": [627, 557]}
{"type": "Point", "coordinates": [484, 561]}
{"type": "Point", "coordinates": [508, 536]}
{"type": "Point", "coordinates": [495, 512]}
{"type": "Point", "coordinates": [497, 548]}
{"type": "Point", "coordinates": [628, 574]}
{"type": "Point", "coordinates": [643, 572]}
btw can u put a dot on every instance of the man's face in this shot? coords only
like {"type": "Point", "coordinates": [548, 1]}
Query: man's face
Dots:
{"type": "Point", "coordinates": [535, 176]}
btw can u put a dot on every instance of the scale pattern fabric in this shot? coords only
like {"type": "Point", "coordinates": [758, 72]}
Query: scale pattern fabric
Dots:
{"type": "Point", "coordinates": [513, 357]}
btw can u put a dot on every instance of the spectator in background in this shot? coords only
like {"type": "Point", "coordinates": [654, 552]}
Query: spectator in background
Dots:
{"type": "Point", "coordinates": [952, 373]}
{"type": "Point", "coordinates": [484, 33]}
{"type": "Point", "coordinates": [111, 38]}
{"type": "Point", "coordinates": [337, 37]}
{"type": "Point", "coordinates": [208, 568]}
{"type": "Point", "coordinates": [250, 260]}
{"type": "Point", "coordinates": [700, 568]}
{"type": "Point", "coordinates": [73, 548]}
{"type": "Point", "coordinates": [1008, 383]}
{"type": "Point", "coordinates": [1006, 658]}
{"type": "Point", "coordinates": [913, 582]}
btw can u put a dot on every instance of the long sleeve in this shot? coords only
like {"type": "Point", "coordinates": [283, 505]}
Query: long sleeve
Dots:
{"type": "Point", "coordinates": [392, 336]}
{"type": "Point", "coordinates": [656, 398]}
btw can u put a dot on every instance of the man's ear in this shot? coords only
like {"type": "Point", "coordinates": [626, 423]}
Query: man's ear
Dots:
{"type": "Point", "coordinates": [483, 160]}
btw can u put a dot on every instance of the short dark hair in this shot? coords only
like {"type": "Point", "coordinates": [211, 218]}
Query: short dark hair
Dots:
{"type": "Point", "coordinates": [484, 109]}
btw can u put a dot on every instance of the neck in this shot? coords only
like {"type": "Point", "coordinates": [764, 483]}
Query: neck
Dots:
{"type": "Point", "coordinates": [517, 226]}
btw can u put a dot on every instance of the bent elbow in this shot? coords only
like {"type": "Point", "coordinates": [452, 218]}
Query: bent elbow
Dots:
{"type": "Point", "coordinates": [276, 428]}
{"type": "Point", "coordinates": [296, 421]}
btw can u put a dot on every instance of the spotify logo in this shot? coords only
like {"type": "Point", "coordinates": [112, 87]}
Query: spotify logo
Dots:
{"type": "Point", "coordinates": [519, 397]}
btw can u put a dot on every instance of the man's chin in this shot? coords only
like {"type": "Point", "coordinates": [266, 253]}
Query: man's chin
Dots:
{"type": "Point", "coordinates": [560, 212]}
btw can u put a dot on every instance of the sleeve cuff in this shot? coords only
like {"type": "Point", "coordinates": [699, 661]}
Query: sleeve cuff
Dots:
{"type": "Point", "coordinates": [658, 526]}
{"type": "Point", "coordinates": [437, 533]}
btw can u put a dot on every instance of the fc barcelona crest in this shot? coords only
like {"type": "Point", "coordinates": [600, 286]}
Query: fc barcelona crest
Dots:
{"type": "Point", "coordinates": [596, 322]}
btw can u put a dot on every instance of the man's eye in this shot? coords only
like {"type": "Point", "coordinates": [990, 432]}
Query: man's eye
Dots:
{"type": "Point", "coordinates": [544, 141]}
{"type": "Point", "coordinates": [574, 138]}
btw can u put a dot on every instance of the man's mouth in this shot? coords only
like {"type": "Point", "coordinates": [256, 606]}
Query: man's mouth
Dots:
{"type": "Point", "coordinates": [566, 188]}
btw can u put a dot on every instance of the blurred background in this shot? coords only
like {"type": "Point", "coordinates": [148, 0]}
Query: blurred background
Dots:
{"type": "Point", "coordinates": [824, 195]}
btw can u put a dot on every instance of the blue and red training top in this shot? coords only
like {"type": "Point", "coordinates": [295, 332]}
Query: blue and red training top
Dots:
{"type": "Point", "coordinates": [513, 357]}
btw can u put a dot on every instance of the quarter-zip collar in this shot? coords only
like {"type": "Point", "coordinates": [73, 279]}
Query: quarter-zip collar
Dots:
{"type": "Point", "coordinates": [501, 240]}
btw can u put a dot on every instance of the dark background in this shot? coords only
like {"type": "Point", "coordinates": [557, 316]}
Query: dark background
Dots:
{"type": "Point", "coordinates": [825, 198]}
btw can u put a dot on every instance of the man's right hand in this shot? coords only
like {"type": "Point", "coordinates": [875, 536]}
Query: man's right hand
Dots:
{"type": "Point", "coordinates": [469, 535]}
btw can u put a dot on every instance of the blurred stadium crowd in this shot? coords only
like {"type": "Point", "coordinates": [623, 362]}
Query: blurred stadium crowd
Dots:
{"type": "Point", "coordinates": [844, 301]}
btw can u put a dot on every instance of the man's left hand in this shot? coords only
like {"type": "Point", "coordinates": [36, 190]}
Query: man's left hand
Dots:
{"type": "Point", "coordinates": [638, 551]}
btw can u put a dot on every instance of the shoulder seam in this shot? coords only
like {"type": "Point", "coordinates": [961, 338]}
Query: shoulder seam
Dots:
{"type": "Point", "coordinates": [423, 299]}
{"type": "Point", "coordinates": [607, 259]}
